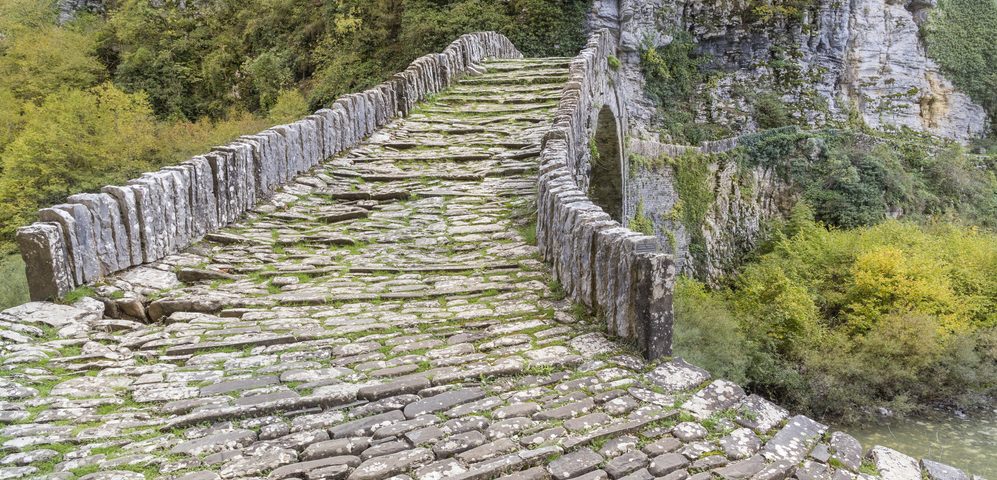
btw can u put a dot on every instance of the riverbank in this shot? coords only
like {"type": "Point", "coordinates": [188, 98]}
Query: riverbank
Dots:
{"type": "Point", "coordinates": [968, 443]}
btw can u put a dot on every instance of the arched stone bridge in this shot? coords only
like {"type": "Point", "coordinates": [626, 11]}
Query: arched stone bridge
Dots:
{"type": "Point", "coordinates": [432, 296]}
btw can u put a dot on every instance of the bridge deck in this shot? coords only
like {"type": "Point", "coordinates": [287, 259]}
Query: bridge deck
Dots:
{"type": "Point", "coordinates": [383, 315]}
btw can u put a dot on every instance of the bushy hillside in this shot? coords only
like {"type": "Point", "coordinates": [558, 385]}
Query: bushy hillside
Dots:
{"type": "Point", "coordinates": [840, 322]}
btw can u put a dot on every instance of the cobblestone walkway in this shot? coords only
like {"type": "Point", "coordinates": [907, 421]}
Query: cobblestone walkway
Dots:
{"type": "Point", "coordinates": [385, 315]}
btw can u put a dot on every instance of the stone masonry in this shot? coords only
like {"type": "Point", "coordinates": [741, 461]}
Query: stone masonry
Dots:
{"type": "Point", "coordinates": [386, 316]}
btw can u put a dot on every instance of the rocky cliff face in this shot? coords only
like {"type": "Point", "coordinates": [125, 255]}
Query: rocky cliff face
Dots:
{"type": "Point", "coordinates": [887, 74]}
{"type": "Point", "coordinates": [828, 60]}
{"type": "Point", "coordinates": [742, 203]}
{"type": "Point", "coordinates": [831, 58]}
{"type": "Point", "coordinates": [69, 8]}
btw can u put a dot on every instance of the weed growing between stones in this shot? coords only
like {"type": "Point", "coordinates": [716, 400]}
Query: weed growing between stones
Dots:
{"type": "Point", "coordinates": [640, 221]}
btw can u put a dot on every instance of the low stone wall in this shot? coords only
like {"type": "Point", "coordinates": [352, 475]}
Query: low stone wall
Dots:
{"type": "Point", "coordinates": [616, 272]}
{"type": "Point", "coordinates": [653, 149]}
{"type": "Point", "coordinates": [95, 234]}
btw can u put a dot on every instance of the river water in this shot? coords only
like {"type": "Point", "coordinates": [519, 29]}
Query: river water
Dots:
{"type": "Point", "coordinates": [968, 443]}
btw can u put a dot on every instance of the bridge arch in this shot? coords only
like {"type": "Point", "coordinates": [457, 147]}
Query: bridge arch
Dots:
{"type": "Point", "coordinates": [606, 183]}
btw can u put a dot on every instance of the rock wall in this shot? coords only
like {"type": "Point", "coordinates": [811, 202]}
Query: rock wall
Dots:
{"type": "Point", "coordinates": [618, 273]}
{"type": "Point", "coordinates": [93, 235]}
{"type": "Point", "coordinates": [862, 55]}
{"type": "Point", "coordinates": [69, 8]}
{"type": "Point", "coordinates": [742, 203]}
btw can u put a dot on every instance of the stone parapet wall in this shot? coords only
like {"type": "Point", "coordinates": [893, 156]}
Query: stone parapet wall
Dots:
{"type": "Point", "coordinates": [616, 272]}
{"type": "Point", "coordinates": [96, 234]}
{"type": "Point", "coordinates": [653, 149]}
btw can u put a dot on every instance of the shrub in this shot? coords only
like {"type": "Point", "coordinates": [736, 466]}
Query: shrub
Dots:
{"type": "Point", "coordinates": [708, 334]}
{"type": "Point", "coordinates": [641, 222]}
{"type": "Point", "coordinates": [289, 106]}
{"type": "Point", "coordinates": [854, 180]}
{"type": "Point", "coordinates": [771, 112]}
{"type": "Point", "coordinates": [673, 79]}
{"type": "Point", "coordinates": [13, 284]}
{"type": "Point", "coordinates": [692, 182]}
{"type": "Point", "coordinates": [837, 322]}
{"type": "Point", "coordinates": [75, 141]}
{"type": "Point", "coordinates": [613, 62]}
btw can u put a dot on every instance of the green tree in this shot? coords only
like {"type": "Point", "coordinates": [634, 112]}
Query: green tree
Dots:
{"type": "Point", "coordinates": [37, 62]}
{"type": "Point", "coordinates": [708, 334]}
{"type": "Point", "coordinates": [75, 141]}
{"type": "Point", "coordinates": [834, 322]}
{"type": "Point", "coordinates": [10, 117]}
{"type": "Point", "coordinates": [289, 106]}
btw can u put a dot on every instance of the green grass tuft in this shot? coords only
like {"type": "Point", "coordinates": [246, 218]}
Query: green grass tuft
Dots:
{"type": "Point", "coordinates": [13, 283]}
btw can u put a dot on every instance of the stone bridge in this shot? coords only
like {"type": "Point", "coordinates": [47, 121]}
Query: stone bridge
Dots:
{"type": "Point", "coordinates": [411, 284]}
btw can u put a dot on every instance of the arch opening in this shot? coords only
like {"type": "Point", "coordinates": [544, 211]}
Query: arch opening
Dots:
{"type": "Point", "coordinates": [606, 182]}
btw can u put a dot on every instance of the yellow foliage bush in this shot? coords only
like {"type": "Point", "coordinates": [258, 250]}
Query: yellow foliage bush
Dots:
{"type": "Point", "coordinates": [836, 321]}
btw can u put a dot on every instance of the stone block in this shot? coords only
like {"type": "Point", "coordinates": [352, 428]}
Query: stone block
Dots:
{"type": "Point", "coordinates": [328, 133]}
{"type": "Point", "coordinates": [292, 149]}
{"type": "Point", "coordinates": [311, 143]}
{"type": "Point", "coordinates": [112, 247]}
{"type": "Point", "coordinates": [940, 471]}
{"type": "Point", "coordinates": [147, 215]}
{"type": "Point", "coordinates": [165, 184]}
{"type": "Point", "coordinates": [653, 284]}
{"type": "Point", "coordinates": [793, 442]}
{"type": "Point", "coordinates": [218, 161]}
{"type": "Point", "coordinates": [124, 198]}
{"type": "Point", "coordinates": [893, 465]}
{"type": "Point", "coordinates": [204, 203]}
{"type": "Point", "coordinates": [82, 256]}
{"type": "Point", "coordinates": [46, 260]}
{"type": "Point", "coordinates": [181, 175]}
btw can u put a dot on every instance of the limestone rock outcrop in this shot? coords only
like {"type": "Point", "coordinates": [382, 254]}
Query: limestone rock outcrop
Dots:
{"type": "Point", "coordinates": [864, 55]}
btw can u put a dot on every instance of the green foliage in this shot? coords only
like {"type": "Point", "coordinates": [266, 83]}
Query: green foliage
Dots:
{"type": "Point", "coordinates": [76, 140]}
{"type": "Point", "coordinates": [834, 322]}
{"type": "Point", "coordinates": [692, 182]}
{"type": "Point", "coordinates": [289, 106]}
{"type": "Point", "coordinates": [13, 284]}
{"type": "Point", "coordinates": [641, 222]}
{"type": "Point", "coordinates": [962, 37]}
{"type": "Point", "coordinates": [10, 117]}
{"type": "Point", "coordinates": [707, 333]}
{"type": "Point", "coordinates": [853, 179]}
{"type": "Point", "coordinates": [674, 78]}
{"type": "Point", "coordinates": [613, 62]}
{"type": "Point", "coordinates": [270, 75]}
{"type": "Point", "coordinates": [180, 140]}
{"type": "Point", "coordinates": [200, 61]}
{"type": "Point", "coordinates": [16, 15]}
{"type": "Point", "coordinates": [77, 295]}
{"type": "Point", "coordinates": [692, 175]}
{"type": "Point", "coordinates": [771, 112]}
{"type": "Point", "coordinates": [547, 28]}
{"type": "Point", "coordinates": [768, 12]}
{"type": "Point", "coordinates": [38, 58]}
{"type": "Point", "coordinates": [529, 233]}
